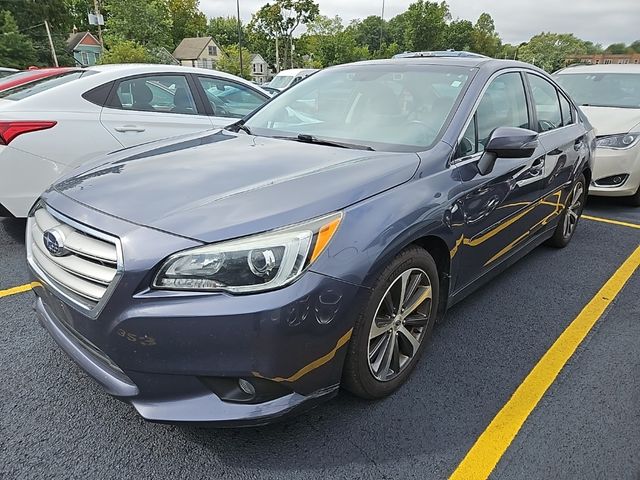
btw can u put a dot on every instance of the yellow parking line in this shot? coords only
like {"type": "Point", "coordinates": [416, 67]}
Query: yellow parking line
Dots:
{"type": "Point", "coordinates": [19, 289]}
{"type": "Point", "coordinates": [494, 441]}
{"type": "Point", "coordinates": [613, 222]}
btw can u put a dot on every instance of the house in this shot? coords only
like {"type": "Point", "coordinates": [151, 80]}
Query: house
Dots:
{"type": "Point", "coordinates": [200, 52]}
{"type": "Point", "coordinates": [260, 72]}
{"type": "Point", "coordinates": [85, 48]}
{"type": "Point", "coordinates": [605, 58]}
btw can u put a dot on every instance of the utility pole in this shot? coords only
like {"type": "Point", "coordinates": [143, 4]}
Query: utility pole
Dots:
{"type": "Point", "coordinates": [239, 35]}
{"type": "Point", "coordinates": [96, 7]}
{"type": "Point", "coordinates": [277, 55]}
{"type": "Point", "coordinates": [382, 25]}
{"type": "Point", "coordinates": [53, 50]}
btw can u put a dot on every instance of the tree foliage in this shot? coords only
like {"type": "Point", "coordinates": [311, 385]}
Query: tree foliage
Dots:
{"type": "Point", "coordinates": [230, 62]}
{"type": "Point", "coordinates": [126, 51]}
{"type": "Point", "coordinates": [146, 22]}
{"type": "Point", "coordinates": [485, 38]}
{"type": "Point", "coordinates": [16, 49]}
{"type": "Point", "coordinates": [224, 30]}
{"type": "Point", "coordinates": [425, 25]}
{"type": "Point", "coordinates": [551, 50]}
{"type": "Point", "coordinates": [186, 20]}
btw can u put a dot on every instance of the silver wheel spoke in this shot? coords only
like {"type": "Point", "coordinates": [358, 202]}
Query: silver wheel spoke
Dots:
{"type": "Point", "coordinates": [408, 341]}
{"type": "Point", "coordinates": [380, 325]}
{"type": "Point", "coordinates": [422, 294]}
{"type": "Point", "coordinates": [387, 357]}
{"type": "Point", "coordinates": [379, 356]}
{"type": "Point", "coordinates": [404, 281]}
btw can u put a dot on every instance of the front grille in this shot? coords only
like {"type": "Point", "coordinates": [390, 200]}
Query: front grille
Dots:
{"type": "Point", "coordinates": [87, 269]}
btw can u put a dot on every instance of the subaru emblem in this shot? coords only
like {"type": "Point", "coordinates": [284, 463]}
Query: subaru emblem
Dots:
{"type": "Point", "coordinates": [54, 242]}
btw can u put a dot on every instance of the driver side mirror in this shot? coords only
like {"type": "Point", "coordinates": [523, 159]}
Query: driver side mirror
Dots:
{"type": "Point", "coordinates": [507, 142]}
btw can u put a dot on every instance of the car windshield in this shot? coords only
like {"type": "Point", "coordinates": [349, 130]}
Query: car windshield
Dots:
{"type": "Point", "coordinates": [602, 89]}
{"type": "Point", "coordinates": [382, 107]}
{"type": "Point", "coordinates": [281, 81]}
{"type": "Point", "coordinates": [28, 89]}
{"type": "Point", "coordinates": [6, 73]}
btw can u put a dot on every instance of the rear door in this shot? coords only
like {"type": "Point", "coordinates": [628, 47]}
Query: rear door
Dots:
{"type": "Point", "coordinates": [151, 107]}
{"type": "Point", "coordinates": [562, 136]}
{"type": "Point", "coordinates": [226, 100]}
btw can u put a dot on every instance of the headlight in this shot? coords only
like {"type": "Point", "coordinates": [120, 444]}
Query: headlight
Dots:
{"type": "Point", "coordinates": [618, 142]}
{"type": "Point", "coordinates": [250, 264]}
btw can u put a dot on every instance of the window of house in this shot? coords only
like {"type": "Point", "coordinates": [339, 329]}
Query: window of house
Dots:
{"type": "Point", "coordinates": [546, 103]}
{"type": "Point", "coordinates": [503, 104]}
{"type": "Point", "coordinates": [213, 50]}
{"type": "Point", "coordinates": [155, 93]}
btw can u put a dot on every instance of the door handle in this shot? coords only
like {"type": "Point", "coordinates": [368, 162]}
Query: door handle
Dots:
{"type": "Point", "coordinates": [129, 128]}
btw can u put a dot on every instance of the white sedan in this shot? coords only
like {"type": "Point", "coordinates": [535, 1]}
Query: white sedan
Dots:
{"type": "Point", "coordinates": [609, 95]}
{"type": "Point", "coordinates": [55, 124]}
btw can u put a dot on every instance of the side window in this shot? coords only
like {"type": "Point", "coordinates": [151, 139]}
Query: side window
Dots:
{"type": "Point", "coordinates": [546, 104]}
{"type": "Point", "coordinates": [155, 93]}
{"type": "Point", "coordinates": [565, 107]}
{"type": "Point", "coordinates": [503, 104]}
{"type": "Point", "coordinates": [230, 99]}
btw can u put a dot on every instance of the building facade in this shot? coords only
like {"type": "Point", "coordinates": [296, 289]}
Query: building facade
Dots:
{"type": "Point", "coordinates": [605, 59]}
{"type": "Point", "coordinates": [85, 48]}
{"type": "Point", "coordinates": [260, 72]}
{"type": "Point", "coordinates": [201, 52]}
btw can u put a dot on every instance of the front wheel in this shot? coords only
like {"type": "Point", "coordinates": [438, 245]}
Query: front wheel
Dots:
{"type": "Point", "coordinates": [571, 214]}
{"type": "Point", "coordinates": [390, 334]}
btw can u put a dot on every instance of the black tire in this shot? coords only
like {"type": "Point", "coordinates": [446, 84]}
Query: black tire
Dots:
{"type": "Point", "coordinates": [634, 200]}
{"type": "Point", "coordinates": [561, 236]}
{"type": "Point", "coordinates": [418, 266]}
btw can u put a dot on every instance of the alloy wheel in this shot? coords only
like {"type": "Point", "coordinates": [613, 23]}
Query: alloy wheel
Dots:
{"type": "Point", "coordinates": [399, 324]}
{"type": "Point", "coordinates": [574, 209]}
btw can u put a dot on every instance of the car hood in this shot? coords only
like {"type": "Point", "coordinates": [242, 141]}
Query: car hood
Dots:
{"type": "Point", "coordinates": [611, 120]}
{"type": "Point", "coordinates": [221, 185]}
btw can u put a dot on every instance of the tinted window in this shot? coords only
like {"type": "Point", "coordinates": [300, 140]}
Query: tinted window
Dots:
{"type": "Point", "coordinates": [565, 107]}
{"type": "Point", "coordinates": [602, 89]}
{"type": "Point", "coordinates": [504, 104]}
{"type": "Point", "coordinates": [393, 107]}
{"type": "Point", "coordinates": [28, 89]}
{"type": "Point", "coordinates": [545, 100]}
{"type": "Point", "coordinates": [230, 99]}
{"type": "Point", "coordinates": [155, 93]}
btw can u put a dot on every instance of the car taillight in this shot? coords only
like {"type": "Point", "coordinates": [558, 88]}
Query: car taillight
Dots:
{"type": "Point", "coordinates": [11, 129]}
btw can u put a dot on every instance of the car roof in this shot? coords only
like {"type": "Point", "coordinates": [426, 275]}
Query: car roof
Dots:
{"type": "Point", "coordinates": [295, 71]}
{"type": "Point", "coordinates": [601, 68]}
{"type": "Point", "coordinates": [470, 62]}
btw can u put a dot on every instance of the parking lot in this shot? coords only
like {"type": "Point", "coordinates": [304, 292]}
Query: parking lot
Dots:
{"type": "Point", "coordinates": [56, 423]}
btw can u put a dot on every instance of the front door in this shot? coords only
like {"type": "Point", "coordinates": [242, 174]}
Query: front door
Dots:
{"type": "Point", "coordinates": [499, 211]}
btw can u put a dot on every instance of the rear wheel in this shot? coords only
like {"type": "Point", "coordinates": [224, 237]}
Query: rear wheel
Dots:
{"type": "Point", "coordinates": [389, 336]}
{"type": "Point", "coordinates": [572, 212]}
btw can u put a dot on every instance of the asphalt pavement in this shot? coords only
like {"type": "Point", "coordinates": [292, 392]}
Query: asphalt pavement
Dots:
{"type": "Point", "coordinates": [55, 422]}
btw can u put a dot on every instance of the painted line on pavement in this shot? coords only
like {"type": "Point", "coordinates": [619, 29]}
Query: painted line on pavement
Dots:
{"type": "Point", "coordinates": [19, 289]}
{"type": "Point", "coordinates": [613, 222]}
{"type": "Point", "coordinates": [489, 448]}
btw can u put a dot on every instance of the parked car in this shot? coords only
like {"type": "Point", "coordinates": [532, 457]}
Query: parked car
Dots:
{"type": "Point", "coordinates": [287, 78]}
{"type": "Point", "coordinates": [23, 77]}
{"type": "Point", "coordinates": [239, 277]}
{"type": "Point", "coordinates": [609, 95]}
{"type": "Point", "coordinates": [49, 126]}
{"type": "Point", "coordinates": [439, 53]}
{"type": "Point", "coordinates": [5, 71]}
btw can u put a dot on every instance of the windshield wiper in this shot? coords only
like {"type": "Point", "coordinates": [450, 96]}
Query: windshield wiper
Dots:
{"type": "Point", "coordinates": [303, 137]}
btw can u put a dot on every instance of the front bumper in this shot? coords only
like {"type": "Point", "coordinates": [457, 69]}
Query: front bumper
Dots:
{"type": "Point", "coordinates": [159, 371]}
{"type": "Point", "coordinates": [610, 162]}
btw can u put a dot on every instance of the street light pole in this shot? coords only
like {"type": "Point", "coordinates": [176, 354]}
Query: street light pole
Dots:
{"type": "Point", "coordinates": [382, 25]}
{"type": "Point", "coordinates": [239, 35]}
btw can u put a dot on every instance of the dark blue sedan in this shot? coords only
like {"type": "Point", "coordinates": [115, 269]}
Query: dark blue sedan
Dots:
{"type": "Point", "coordinates": [240, 275]}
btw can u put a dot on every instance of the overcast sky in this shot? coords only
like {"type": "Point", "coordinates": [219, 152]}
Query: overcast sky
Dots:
{"type": "Point", "coordinates": [604, 22]}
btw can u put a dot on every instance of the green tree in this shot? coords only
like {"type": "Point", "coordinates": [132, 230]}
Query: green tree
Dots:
{"type": "Point", "coordinates": [485, 39]}
{"type": "Point", "coordinates": [327, 42]}
{"type": "Point", "coordinates": [551, 51]}
{"type": "Point", "coordinates": [617, 48]}
{"type": "Point", "coordinates": [371, 32]}
{"type": "Point", "coordinates": [186, 20]}
{"type": "Point", "coordinates": [147, 22]}
{"type": "Point", "coordinates": [459, 35]}
{"type": "Point", "coordinates": [425, 25]}
{"type": "Point", "coordinates": [635, 46]}
{"type": "Point", "coordinates": [230, 62]}
{"type": "Point", "coordinates": [279, 20]}
{"type": "Point", "coordinates": [224, 30]}
{"type": "Point", "coordinates": [16, 49]}
{"type": "Point", "coordinates": [126, 51]}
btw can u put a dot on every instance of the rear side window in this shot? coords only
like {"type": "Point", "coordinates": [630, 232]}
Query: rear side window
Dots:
{"type": "Point", "coordinates": [565, 108]}
{"type": "Point", "coordinates": [155, 93]}
{"type": "Point", "coordinates": [230, 99]}
{"type": "Point", "coordinates": [37, 86]}
{"type": "Point", "coordinates": [546, 104]}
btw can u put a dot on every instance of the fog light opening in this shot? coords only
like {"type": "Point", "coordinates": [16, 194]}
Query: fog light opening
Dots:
{"type": "Point", "coordinates": [246, 387]}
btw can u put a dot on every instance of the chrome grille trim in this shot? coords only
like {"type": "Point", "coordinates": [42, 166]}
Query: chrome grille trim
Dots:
{"type": "Point", "coordinates": [88, 274]}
